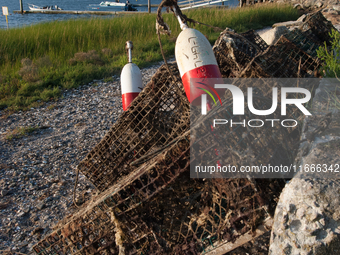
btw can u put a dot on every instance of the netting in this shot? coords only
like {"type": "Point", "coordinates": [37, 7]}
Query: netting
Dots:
{"type": "Point", "coordinates": [307, 66]}
{"type": "Point", "coordinates": [233, 52]}
{"type": "Point", "coordinates": [239, 57]}
{"type": "Point", "coordinates": [254, 38]}
{"type": "Point", "coordinates": [239, 144]}
{"type": "Point", "coordinates": [304, 40]}
{"type": "Point", "coordinates": [158, 209]}
{"type": "Point", "coordinates": [319, 26]}
{"type": "Point", "coordinates": [158, 115]}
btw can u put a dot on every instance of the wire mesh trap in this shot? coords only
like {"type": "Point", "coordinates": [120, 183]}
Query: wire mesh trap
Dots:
{"type": "Point", "coordinates": [319, 26]}
{"type": "Point", "coordinates": [306, 41]}
{"type": "Point", "coordinates": [158, 115]}
{"type": "Point", "coordinates": [294, 55]}
{"type": "Point", "coordinates": [158, 209]}
{"type": "Point", "coordinates": [239, 58]}
{"type": "Point", "coordinates": [254, 38]}
{"type": "Point", "coordinates": [307, 66]}
{"type": "Point", "coordinates": [234, 51]}
{"type": "Point", "coordinates": [243, 144]}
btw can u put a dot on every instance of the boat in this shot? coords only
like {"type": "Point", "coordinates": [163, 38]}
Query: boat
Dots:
{"type": "Point", "coordinates": [108, 5]}
{"type": "Point", "coordinates": [33, 7]}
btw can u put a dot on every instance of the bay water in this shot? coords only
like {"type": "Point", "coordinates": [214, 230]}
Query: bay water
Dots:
{"type": "Point", "coordinates": [18, 20]}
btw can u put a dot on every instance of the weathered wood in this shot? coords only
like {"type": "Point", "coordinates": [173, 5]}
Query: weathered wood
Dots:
{"type": "Point", "coordinates": [225, 247]}
{"type": "Point", "coordinates": [21, 8]}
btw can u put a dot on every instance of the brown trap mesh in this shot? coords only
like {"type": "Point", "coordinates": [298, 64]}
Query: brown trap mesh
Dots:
{"type": "Point", "coordinates": [158, 115]}
{"type": "Point", "coordinates": [233, 52]}
{"type": "Point", "coordinates": [304, 40]}
{"type": "Point", "coordinates": [238, 57]}
{"type": "Point", "coordinates": [320, 27]}
{"type": "Point", "coordinates": [282, 60]}
{"type": "Point", "coordinates": [158, 209]}
{"type": "Point", "coordinates": [254, 38]}
{"type": "Point", "coordinates": [310, 65]}
{"type": "Point", "coordinates": [100, 227]}
{"type": "Point", "coordinates": [238, 144]}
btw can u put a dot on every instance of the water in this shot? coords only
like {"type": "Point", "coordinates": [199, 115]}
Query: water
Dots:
{"type": "Point", "coordinates": [18, 20]}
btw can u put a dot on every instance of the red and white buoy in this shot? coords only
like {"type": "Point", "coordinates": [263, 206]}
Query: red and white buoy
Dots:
{"type": "Point", "coordinates": [195, 59]}
{"type": "Point", "coordinates": [130, 79]}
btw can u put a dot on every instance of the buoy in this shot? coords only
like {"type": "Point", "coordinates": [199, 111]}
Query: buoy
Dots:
{"type": "Point", "coordinates": [130, 79]}
{"type": "Point", "coordinates": [195, 59]}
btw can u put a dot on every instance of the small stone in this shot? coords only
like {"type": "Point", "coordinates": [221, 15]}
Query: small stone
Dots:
{"type": "Point", "coordinates": [322, 222]}
{"type": "Point", "coordinates": [3, 192]}
{"type": "Point", "coordinates": [336, 8]}
{"type": "Point", "coordinates": [319, 4]}
{"type": "Point", "coordinates": [21, 214]}
{"type": "Point", "coordinates": [41, 206]}
{"type": "Point", "coordinates": [300, 213]}
{"type": "Point", "coordinates": [313, 216]}
{"type": "Point", "coordinates": [292, 208]}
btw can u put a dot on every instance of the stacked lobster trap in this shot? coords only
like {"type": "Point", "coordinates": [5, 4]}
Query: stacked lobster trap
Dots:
{"type": "Point", "coordinates": [148, 203]}
{"type": "Point", "coordinates": [159, 115]}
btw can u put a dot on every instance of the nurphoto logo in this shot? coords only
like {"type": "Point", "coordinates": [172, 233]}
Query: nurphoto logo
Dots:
{"type": "Point", "coordinates": [238, 100]}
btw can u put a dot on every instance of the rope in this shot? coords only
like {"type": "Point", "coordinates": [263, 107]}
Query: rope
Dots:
{"type": "Point", "coordinates": [163, 28]}
{"type": "Point", "coordinates": [171, 4]}
{"type": "Point", "coordinates": [74, 189]}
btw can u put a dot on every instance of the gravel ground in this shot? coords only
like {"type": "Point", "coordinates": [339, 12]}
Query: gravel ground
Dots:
{"type": "Point", "coordinates": [38, 170]}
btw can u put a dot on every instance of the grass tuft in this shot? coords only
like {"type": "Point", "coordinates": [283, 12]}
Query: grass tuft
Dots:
{"type": "Point", "coordinates": [20, 132]}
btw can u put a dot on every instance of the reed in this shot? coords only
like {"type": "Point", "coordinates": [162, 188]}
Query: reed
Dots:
{"type": "Point", "coordinates": [37, 62]}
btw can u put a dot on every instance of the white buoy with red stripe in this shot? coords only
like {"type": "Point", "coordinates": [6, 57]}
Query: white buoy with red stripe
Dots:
{"type": "Point", "coordinates": [130, 79]}
{"type": "Point", "coordinates": [195, 59]}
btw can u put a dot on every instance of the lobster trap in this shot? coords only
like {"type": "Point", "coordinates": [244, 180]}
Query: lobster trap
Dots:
{"type": "Point", "coordinates": [240, 58]}
{"type": "Point", "coordinates": [159, 209]}
{"type": "Point", "coordinates": [320, 27]}
{"type": "Point", "coordinates": [157, 116]}
{"type": "Point", "coordinates": [306, 41]}
{"type": "Point", "coordinates": [234, 51]}
{"type": "Point", "coordinates": [255, 39]}
{"type": "Point", "coordinates": [222, 143]}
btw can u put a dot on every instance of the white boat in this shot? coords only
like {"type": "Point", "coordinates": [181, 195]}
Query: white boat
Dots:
{"type": "Point", "coordinates": [33, 7]}
{"type": "Point", "coordinates": [107, 3]}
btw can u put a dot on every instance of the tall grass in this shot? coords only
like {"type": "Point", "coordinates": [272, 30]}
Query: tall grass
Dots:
{"type": "Point", "coordinates": [37, 62]}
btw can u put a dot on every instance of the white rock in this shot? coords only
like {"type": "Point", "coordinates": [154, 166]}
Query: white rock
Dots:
{"type": "Point", "coordinates": [272, 35]}
{"type": "Point", "coordinates": [310, 229]}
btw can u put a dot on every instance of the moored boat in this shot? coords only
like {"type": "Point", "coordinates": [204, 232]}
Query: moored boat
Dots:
{"type": "Point", "coordinates": [33, 7]}
{"type": "Point", "coordinates": [107, 3]}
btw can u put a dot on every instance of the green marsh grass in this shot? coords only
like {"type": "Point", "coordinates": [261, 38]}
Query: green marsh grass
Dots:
{"type": "Point", "coordinates": [37, 62]}
{"type": "Point", "coordinates": [20, 132]}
